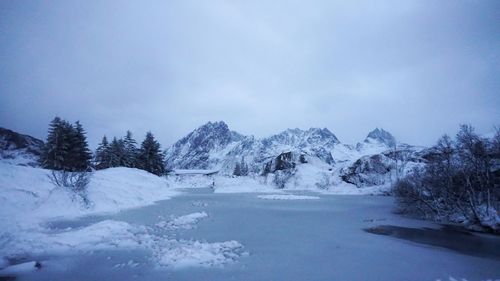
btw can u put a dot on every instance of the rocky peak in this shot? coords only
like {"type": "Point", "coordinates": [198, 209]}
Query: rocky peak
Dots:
{"type": "Point", "coordinates": [208, 136]}
{"type": "Point", "coordinates": [197, 148]}
{"type": "Point", "coordinates": [381, 136]}
{"type": "Point", "coordinates": [298, 138]}
{"type": "Point", "coordinates": [315, 135]}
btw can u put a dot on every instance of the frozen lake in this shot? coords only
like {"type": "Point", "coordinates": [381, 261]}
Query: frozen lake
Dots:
{"type": "Point", "coordinates": [323, 239]}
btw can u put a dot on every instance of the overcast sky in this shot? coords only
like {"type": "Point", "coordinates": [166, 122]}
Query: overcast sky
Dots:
{"type": "Point", "coordinates": [415, 68]}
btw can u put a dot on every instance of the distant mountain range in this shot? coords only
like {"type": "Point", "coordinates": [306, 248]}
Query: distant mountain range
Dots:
{"type": "Point", "coordinates": [288, 153]}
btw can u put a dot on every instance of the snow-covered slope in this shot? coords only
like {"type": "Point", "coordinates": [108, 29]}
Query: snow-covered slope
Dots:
{"type": "Point", "coordinates": [19, 149]}
{"type": "Point", "coordinates": [28, 195]}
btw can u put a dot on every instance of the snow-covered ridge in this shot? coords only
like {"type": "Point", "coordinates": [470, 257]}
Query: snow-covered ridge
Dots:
{"type": "Point", "coordinates": [19, 149]}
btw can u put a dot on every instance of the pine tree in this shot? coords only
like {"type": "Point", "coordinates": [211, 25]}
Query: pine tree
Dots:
{"type": "Point", "coordinates": [150, 157]}
{"type": "Point", "coordinates": [80, 155]}
{"type": "Point", "coordinates": [130, 149]}
{"type": "Point", "coordinates": [56, 148]}
{"type": "Point", "coordinates": [66, 147]}
{"type": "Point", "coordinates": [117, 153]}
{"type": "Point", "coordinates": [102, 155]}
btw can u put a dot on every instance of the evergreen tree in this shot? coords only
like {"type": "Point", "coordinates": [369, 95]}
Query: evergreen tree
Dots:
{"type": "Point", "coordinates": [66, 147]}
{"type": "Point", "coordinates": [56, 148]}
{"type": "Point", "coordinates": [80, 155]}
{"type": "Point", "coordinates": [150, 157]}
{"type": "Point", "coordinates": [241, 168]}
{"type": "Point", "coordinates": [102, 155]}
{"type": "Point", "coordinates": [130, 150]}
{"type": "Point", "coordinates": [117, 153]}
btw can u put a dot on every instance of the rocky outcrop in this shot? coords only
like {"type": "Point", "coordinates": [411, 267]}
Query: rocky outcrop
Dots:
{"type": "Point", "coordinates": [16, 148]}
{"type": "Point", "coordinates": [369, 171]}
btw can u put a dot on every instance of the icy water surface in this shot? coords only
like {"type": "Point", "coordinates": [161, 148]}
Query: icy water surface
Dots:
{"type": "Point", "coordinates": [289, 240]}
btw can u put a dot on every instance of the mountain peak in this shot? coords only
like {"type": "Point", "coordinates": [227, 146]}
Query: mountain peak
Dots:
{"type": "Point", "coordinates": [193, 151]}
{"type": "Point", "coordinates": [381, 136]}
{"type": "Point", "coordinates": [214, 125]}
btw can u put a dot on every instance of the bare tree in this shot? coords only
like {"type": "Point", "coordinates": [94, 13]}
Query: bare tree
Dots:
{"type": "Point", "coordinates": [75, 182]}
{"type": "Point", "coordinates": [457, 184]}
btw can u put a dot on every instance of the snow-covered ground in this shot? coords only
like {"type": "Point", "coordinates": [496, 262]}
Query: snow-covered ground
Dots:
{"type": "Point", "coordinates": [287, 197]}
{"type": "Point", "coordinates": [185, 221]}
{"type": "Point", "coordinates": [28, 200]}
{"type": "Point", "coordinates": [289, 240]}
{"type": "Point", "coordinates": [130, 229]}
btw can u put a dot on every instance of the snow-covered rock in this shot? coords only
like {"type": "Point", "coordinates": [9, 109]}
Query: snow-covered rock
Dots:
{"type": "Point", "coordinates": [369, 171]}
{"type": "Point", "coordinates": [19, 149]}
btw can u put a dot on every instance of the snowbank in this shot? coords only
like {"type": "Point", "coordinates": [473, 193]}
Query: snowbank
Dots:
{"type": "Point", "coordinates": [109, 234]}
{"type": "Point", "coordinates": [179, 254]}
{"type": "Point", "coordinates": [102, 235]}
{"type": "Point", "coordinates": [27, 195]}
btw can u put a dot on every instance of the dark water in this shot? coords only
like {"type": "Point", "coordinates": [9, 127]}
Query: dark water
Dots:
{"type": "Point", "coordinates": [449, 237]}
{"type": "Point", "coordinates": [286, 240]}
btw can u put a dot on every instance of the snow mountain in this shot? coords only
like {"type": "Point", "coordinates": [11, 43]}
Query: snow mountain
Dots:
{"type": "Point", "coordinates": [377, 141]}
{"type": "Point", "coordinates": [314, 157]}
{"type": "Point", "coordinates": [202, 148]}
{"type": "Point", "coordinates": [381, 136]}
{"type": "Point", "coordinates": [19, 149]}
{"type": "Point", "coordinates": [215, 146]}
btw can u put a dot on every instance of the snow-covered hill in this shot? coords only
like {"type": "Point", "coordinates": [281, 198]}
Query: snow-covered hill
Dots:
{"type": "Point", "coordinates": [28, 192]}
{"type": "Point", "coordinates": [294, 158]}
{"type": "Point", "coordinates": [19, 149]}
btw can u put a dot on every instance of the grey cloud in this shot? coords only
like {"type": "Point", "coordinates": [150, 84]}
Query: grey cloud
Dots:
{"type": "Point", "coordinates": [415, 68]}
